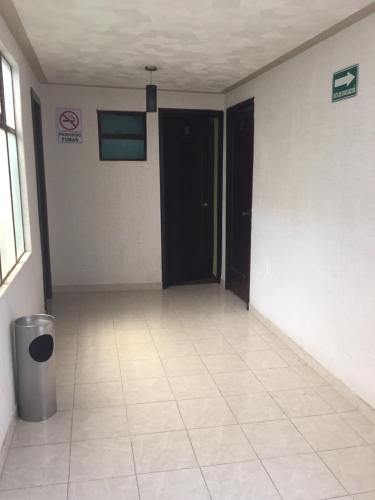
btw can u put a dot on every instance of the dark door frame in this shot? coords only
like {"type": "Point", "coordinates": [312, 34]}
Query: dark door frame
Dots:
{"type": "Point", "coordinates": [204, 113]}
{"type": "Point", "coordinates": [42, 197]}
{"type": "Point", "coordinates": [240, 105]}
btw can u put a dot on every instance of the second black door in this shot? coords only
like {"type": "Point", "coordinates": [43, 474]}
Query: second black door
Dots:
{"type": "Point", "coordinates": [187, 185]}
{"type": "Point", "coordinates": [240, 143]}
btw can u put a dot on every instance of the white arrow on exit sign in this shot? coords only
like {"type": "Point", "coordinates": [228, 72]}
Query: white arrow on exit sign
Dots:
{"type": "Point", "coordinates": [345, 80]}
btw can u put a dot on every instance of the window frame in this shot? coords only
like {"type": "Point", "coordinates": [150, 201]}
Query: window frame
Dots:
{"type": "Point", "coordinates": [7, 129]}
{"type": "Point", "coordinates": [2, 100]}
{"type": "Point", "coordinates": [102, 135]}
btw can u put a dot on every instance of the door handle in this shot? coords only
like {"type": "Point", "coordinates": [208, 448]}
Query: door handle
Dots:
{"type": "Point", "coordinates": [205, 204]}
{"type": "Point", "coordinates": [246, 213]}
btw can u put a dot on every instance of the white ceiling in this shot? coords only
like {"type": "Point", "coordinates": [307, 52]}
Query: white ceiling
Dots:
{"type": "Point", "coordinates": [201, 45]}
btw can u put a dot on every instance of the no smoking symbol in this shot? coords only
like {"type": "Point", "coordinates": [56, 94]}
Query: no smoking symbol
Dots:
{"type": "Point", "coordinates": [69, 120]}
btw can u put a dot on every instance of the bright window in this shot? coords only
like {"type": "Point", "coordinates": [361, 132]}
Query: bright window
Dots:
{"type": "Point", "coordinates": [12, 243]}
{"type": "Point", "coordinates": [122, 135]}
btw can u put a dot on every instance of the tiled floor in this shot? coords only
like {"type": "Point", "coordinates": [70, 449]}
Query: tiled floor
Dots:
{"type": "Point", "coordinates": [184, 395]}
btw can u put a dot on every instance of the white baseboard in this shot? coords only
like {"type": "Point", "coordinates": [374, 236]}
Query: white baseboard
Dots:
{"type": "Point", "coordinates": [123, 287]}
{"type": "Point", "coordinates": [7, 440]}
{"type": "Point", "coordinates": [340, 387]}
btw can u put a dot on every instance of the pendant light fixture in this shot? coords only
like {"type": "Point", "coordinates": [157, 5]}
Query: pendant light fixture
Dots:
{"type": "Point", "coordinates": [151, 90]}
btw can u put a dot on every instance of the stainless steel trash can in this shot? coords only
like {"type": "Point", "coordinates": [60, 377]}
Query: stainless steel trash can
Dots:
{"type": "Point", "coordinates": [36, 370]}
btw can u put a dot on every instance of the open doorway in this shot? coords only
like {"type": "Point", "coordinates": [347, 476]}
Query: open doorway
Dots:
{"type": "Point", "coordinates": [41, 193]}
{"type": "Point", "coordinates": [191, 195]}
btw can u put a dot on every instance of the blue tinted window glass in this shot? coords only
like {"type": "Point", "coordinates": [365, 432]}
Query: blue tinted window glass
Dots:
{"type": "Point", "coordinates": [114, 123]}
{"type": "Point", "coordinates": [123, 149]}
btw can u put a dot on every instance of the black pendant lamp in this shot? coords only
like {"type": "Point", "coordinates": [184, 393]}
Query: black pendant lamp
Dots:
{"type": "Point", "coordinates": [151, 92]}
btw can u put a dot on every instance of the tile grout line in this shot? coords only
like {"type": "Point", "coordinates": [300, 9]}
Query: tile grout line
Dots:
{"type": "Point", "coordinates": [125, 407]}
{"type": "Point", "coordinates": [313, 449]}
{"type": "Point", "coordinates": [183, 422]}
{"type": "Point", "coordinates": [330, 470]}
{"type": "Point", "coordinates": [290, 420]}
{"type": "Point", "coordinates": [247, 439]}
{"type": "Point", "coordinates": [193, 450]}
{"type": "Point", "coordinates": [74, 390]}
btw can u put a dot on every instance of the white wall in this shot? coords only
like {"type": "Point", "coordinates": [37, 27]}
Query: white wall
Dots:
{"type": "Point", "coordinates": [105, 216]}
{"type": "Point", "coordinates": [23, 294]}
{"type": "Point", "coordinates": [313, 240]}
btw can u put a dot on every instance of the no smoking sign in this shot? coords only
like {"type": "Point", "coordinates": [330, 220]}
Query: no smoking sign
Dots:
{"type": "Point", "coordinates": [69, 126]}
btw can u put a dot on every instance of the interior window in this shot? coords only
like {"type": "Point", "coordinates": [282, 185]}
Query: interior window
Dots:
{"type": "Point", "coordinates": [122, 136]}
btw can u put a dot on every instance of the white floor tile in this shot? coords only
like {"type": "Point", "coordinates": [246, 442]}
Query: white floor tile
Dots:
{"type": "Point", "coordinates": [245, 481]}
{"type": "Point", "coordinates": [275, 379]}
{"type": "Point", "coordinates": [65, 374]}
{"type": "Point", "coordinates": [163, 451]}
{"type": "Point", "coordinates": [188, 365]}
{"type": "Point", "coordinates": [272, 340]}
{"type": "Point", "coordinates": [235, 332]}
{"type": "Point", "coordinates": [234, 384]}
{"type": "Point", "coordinates": [303, 477]}
{"type": "Point", "coordinates": [154, 417]}
{"type": "Point", "coordinates": [224, 363]}
{"type": "Point", "coordinates": [364, 496]}
{"type": "Point", "coordinates": [254, 408]}
{"type": "Point", "coordinates": [205, 412]}
{"type": "Point", "coordinates": [56, 429]}
{"type": "Point", "coordinates": [216, 345]}
{"type": "Point", "coordinates": [167, 349]}
{"type": "Point", "coordinates": [147, 390]}
{"type": "Point", "coordinates": [310, 375]}
{"type": "Point", "coordinates": [127, 338]}
{"type": "Point", "coordinates": [133, 369]}
{"type": "Point", "coordinates": [175, 485]}
{"type": "Point", "coordinates": [96, 423]}
{"type": "Point", "coordinates": [57, 492]}
{"type": "Point", "coordinates": [100, 459]}
{"type": "Point", "coordinates": [361, 425]}
{"type": "Point", "coordinates": [334, 399]}
{"type": "Point", "coordinates": [96, 355]}
{"type": "Point", "coordinates": [64, 397]}
{"type": "Point", "coordinates": [354, 467]}
{"type": "Point", "coordinates": [91, 372]}
{"type": "Point", "coordinates": [291, 358]}
{"type": "Point", "coordinates": [193, 386]}
{"type": "Point", "coordinates": [98, 395]}
{"type": "Point", "coordinates": [249, 343]}
{"type": "Point", "coordinates": [278, 438]}
{"type": "Point", "coordinates": [301, 402]}
{"type": "Point", "coordinates": [327, 432]}
{"type": "Point", "coordinates": [137, 351]}
{"type": "Point", "coordinates": [221, 445]}
{"type": "Point", "coordinates": [122, 488]}
{"type": "Point", "coordinates": [35, 466]}
{"type": "Point", "coordinates": [258, 360]}
{"type": "Point", "coordinates": [197, 333]}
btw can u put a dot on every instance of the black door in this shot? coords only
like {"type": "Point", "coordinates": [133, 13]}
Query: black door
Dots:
{"type": "Point", "coordinates": [187, 185]}
{"type": "Point", "coordinates": [41, 192]}
{"type": "Point", "coordinates": [240, 143]}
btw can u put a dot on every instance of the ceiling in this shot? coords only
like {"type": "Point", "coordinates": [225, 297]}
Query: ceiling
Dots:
{"type": "Point", "coordinates": [200, 45]}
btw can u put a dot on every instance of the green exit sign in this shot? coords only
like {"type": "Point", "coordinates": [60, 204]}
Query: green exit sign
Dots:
{"type": "Point", "coordinates": [345, 83]}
